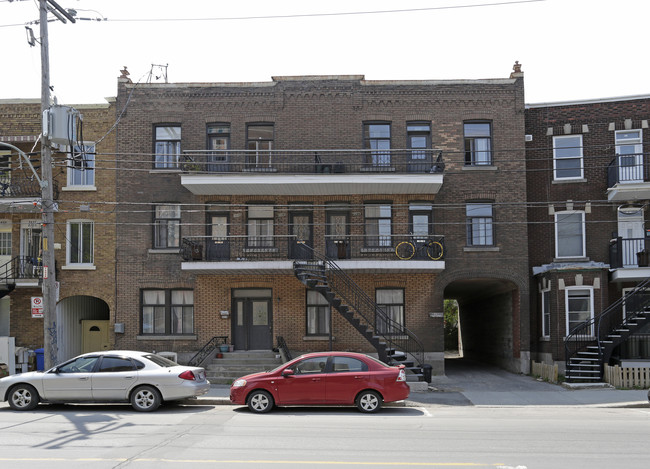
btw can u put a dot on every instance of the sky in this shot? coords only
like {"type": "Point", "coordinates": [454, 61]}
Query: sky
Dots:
{"type": "Point", "coordinates": [569, 49]}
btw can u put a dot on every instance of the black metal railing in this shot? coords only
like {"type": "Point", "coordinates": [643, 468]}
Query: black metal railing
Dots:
{"type": "Point", "coordinates": [21, 267]}
{"type": "Point", "coordinates": [594, 331]}
{"type": "Point", "coordinates": [282, 247]}
{"type": "Point", "coordinates": [628, 169]}
{"type": "Point", "coordinates": [284, 348]}
{"type": "Point", "coordinates": [313, 161]}
{"type": "Point", "coordinates": [207, 350]}
{"type": "Point", "coordinates": [628, 253]}
{"type": "Point", "coordinates": [395, 335]}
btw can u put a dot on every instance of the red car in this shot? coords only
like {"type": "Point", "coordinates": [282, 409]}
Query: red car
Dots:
{"type": "Point", "coordinates": [325, 378]}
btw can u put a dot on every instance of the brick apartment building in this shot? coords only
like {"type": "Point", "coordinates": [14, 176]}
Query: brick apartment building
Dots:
{"type": "Point", "coordinates": [84, 188]}
{"type": "Point", "coordinates": [229, 193]}
{"type": "Point", "coordinates": [588, 193]}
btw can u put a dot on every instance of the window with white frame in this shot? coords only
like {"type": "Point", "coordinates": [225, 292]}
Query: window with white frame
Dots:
{"type": "Point", "coordinates": [167, 146]}
{"type": "Point", "coordinates": [260, 226]}
{"type": "Point", "coordinates": [567, 157]}
{"type": "Point", "coordinates": [318, 314]}
{"type": "Point", "coordinates": [168, 312]}
{"type": "Point", "coordinates": [479, 224]}
{"type": "Point", "coordinates": [378, 225]}
{"type": "Point", "coordinates": [5, 243]}
{"type": "Point", "coordinates": [579, 303]}
{"type": "Point", "coordinates": [167, 226]}
{"type": "Point", "coordinates": [391, 302]}
{"type": "Point", "coordinates": [546, 312]}
{"type": "Point", "coordinates": [81, 166]}
{"type": "Point", "coordinates": [80, 242]}
{"type": "Point", "coordinates": [570, 234]}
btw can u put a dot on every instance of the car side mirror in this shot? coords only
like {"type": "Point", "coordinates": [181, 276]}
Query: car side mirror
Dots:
{"type": "Point", "coordinates": [287, 372]}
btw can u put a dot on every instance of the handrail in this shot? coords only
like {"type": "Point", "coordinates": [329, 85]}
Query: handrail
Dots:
{"type": "Point", "coordinates": [399, 337]}
{"type": "Point", "coordinates": [597, 328]}
{"type": "Point", "coordinates": [207, 349]}
{"type": "Point", "coordinates": [284, 348]}
{"type": "Point", "coordinates": [21, 267]}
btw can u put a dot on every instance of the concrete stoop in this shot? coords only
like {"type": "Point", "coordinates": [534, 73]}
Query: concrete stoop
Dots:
{"type": "Point", "coordinates": [234, 365]}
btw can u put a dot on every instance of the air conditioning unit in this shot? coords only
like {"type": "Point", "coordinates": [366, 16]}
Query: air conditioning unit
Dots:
{"type": "Point", "coordinates": [529, 138]}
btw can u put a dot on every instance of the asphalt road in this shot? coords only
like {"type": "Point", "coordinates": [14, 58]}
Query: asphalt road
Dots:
{"type": "Point", "coordinates": [114, 436]}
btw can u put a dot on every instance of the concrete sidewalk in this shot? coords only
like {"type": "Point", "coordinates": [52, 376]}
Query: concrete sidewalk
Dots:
{"type": "Point", "coordinates": [467, 384]}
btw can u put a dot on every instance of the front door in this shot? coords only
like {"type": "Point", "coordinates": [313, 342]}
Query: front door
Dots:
{"type": "Point", "coordinates": [252, 322]}
{"type": "Point", "coordinates": [420, 228]}
{"type": "Point", "coordinates": [337, 237]}
{"type": "Point", "coordinates": [629, 155]}
{"type": "Point", "coordinates": [30, 247]}
{"type": "Point", "coordinates": [300, 241]}
{"type": "Point", "coordinates": [218, 243]}
{"type": "Point", "coordinates": [631, 229]}
{"type": "Point", "coordinates": [419, 144]}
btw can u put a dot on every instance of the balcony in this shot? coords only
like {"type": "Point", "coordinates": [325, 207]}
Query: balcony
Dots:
{"type": "Point", "coordinates": [18, 186]}
{"type": "Point", "coordinates": [312, 172]}
{"type": "Point", "coordinates": [276, 254]}
{"type": "Point", "coordinates": [628, 178]}
{"type": "Point", "coordinates": [629, 259]}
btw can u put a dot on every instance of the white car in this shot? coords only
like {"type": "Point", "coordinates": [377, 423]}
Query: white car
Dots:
{"type": "Point", "coordinates": [144, 379]}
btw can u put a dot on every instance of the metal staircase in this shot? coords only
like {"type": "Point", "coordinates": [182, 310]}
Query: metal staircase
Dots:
{"type": "Point", "coordinates": [19, 267]}
{"type": "Point", "coordinates": [392, 341]}
{"type": "Point", "coordinates": [590, 345]}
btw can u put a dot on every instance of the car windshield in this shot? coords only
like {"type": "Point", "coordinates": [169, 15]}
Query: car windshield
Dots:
{"type": "Point", "coordinates": [160, 361]}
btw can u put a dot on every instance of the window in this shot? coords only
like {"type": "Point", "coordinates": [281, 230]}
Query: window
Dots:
{"type": "Point", "coordinates": [391, 302]}
{"type": "Point", "coordinates": [569, 234]}
{"type": "Point", "coordinates": [259, 143]}
{"type": "Point", "coordinates": [478, 143]}
{"type": "Point", "coordinates": [546, 312]}
{"type": "Point", "coordinates": [629, 153]}
{"type": "Point", "coordinates": [167, 312]}
{"type": "Point", "coordinates": [218, 143]}
{"type": "Point", "coordinates": [343, 364]}
{"type": "Point", "coordinates": [579, 307]}
{"type": "Point", "coordinates": [376, 137]}
{"type": "Point", "coordinates": [167, 226]}
{"type": "Point", "coordinates": [115, 364]}
{"type": "Point", "coordinates": [260, 226]}
{"type": "Point", "coordinates": [5, 243]}
{"type": "Point", "coordinates": [5, 173]}
{"type": "Point", "coordinates": [479, 224]}
{"type": "Point", "coordinates": [81, 165]}
{"type": "Point", "coordinates": [567, 157]}
{"type": "Point", "coordinates": [318, 314]}
{"type": "Point", "coordinates": [79, 365]}
{"type": "Point", "coordinates": [168, 147]}
{"type": "Point", "coordinates": [309, 366]}
{"type": "Point", "coordinates": [80, 242]}
{"type": "Point", "coordinates": [378, 225]}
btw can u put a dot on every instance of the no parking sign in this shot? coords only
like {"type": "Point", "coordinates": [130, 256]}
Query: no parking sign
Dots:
{"type": "Point", "coordinates": [37, 306]}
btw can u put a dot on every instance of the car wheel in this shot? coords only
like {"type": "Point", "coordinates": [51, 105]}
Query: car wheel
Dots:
{"type": "Point", "coordinates": [368, 402]}
{"type": "Point", "coordinates": [23, 397]}
{"type": "Point", "coordinates": [260, 402]}
{"type": "Point", "coordinates": [145, 399]}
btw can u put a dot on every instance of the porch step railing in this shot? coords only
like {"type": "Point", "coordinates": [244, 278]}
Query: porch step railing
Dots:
{"type": "Point", "coordinates": [19, 268]}
{"type": "Point", "coordinates": [392, 341]}
{"type": "Point", "coordinates": [589, 345]}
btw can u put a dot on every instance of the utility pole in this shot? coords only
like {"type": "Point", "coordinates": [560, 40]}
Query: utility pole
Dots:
{"type": "Point", "coordinates": [50, 322]}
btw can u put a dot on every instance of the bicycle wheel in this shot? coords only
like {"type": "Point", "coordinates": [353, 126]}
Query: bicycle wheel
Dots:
{"type": "Point", "coordinates": [434, 250]}
{"type": "Point", "coordinates": [405, 250]}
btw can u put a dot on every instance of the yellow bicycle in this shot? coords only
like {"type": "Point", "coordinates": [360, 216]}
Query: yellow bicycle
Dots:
{"type": "Point", "coordinates": [407, 250]}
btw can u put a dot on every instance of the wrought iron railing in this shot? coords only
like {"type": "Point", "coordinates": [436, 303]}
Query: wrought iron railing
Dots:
{"type": "Point", "coordinates": [313, 161]}
{"type": "Point", "coordinates": [596, 330]}
{"type": "Point", "coordinates": [21, 267]}
{"type": "Point", "coordinates": [207, 350]}
{"type": "Point", "coordinates": [628, 169]}
{"type": "Point", "coordinates": [282, 247]}
{"type": "Point", "coordinates": [628, 252]}
{"type": "Point", "coordinates": [284, 348]}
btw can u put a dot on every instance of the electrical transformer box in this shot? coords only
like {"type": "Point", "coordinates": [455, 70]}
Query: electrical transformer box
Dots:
{"type": "Point", "coordinates": [60, 124]}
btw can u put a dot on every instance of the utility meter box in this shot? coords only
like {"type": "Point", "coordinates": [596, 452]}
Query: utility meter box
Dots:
{"type": "Point", "coordinates": [60, 124]}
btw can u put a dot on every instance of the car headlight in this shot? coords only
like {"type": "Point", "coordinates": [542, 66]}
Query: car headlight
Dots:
{"type": "Point", "coordinates": [239, 383]}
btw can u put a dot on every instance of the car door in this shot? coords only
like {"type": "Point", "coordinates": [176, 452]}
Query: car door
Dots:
{"type": "Point", "coordinates": [347, 377]}
{"type": "Point", "coordinates": [70, 381]}
{"type": "Point", "coordinates": [113, 378]}
{"type": "Point", "coordinates": [307, 383]}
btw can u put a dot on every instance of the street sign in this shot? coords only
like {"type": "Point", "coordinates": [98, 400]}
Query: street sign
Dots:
{"type": "Point", "coordinates": [37, 306]}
